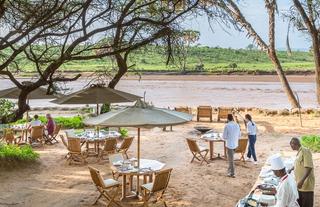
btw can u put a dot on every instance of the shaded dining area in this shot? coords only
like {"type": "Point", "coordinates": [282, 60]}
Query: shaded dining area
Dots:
{"type": "Point", "coordinates": [138, 177]}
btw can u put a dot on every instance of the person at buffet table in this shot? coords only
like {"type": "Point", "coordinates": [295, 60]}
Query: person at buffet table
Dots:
{"type": "Point", "coordinates": [231, 134]}
{"type": "Point", "coordinates": [252, 137]}
{"type": "Point", "coordinates": [35, 122]}
{"type": "Point", "coordinates": [286, 192]}
{"type": "Point", "coordinates": [304, 173]}
{"type": "Point", "coordinates": [50, 125]}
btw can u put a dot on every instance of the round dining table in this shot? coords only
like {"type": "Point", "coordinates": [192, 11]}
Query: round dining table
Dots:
{"type": "Point", "coordinates": [214, 138]}
{"type": "Point", "coordinates": [128, 170]}
{"type": "Point", "coordinates": [96, 138]}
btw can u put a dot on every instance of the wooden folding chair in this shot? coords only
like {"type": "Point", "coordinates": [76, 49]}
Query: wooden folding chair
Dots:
{"type": "Point", "coordinates": [183, 109]}
{"type": "Point", "coordinates": [241, 149]}
{"type": "Point", "coordinates": [223, 113]}
{"type": "Point", "coordinates": [113, 158]}
{"type": "Point", "coordinates": [108, 188]}
{"type": "Point", "coordinates": [197, 152]}
{"type": "Point", "coordinates": [158, 187]}
{"type": "Point", "coordinates": [37, 135]}
{"type": "Point", "coordinates": [8, 136]}
{"type": "Point", "coordinates": [52, 138]}
{"type": "Point", "coordinates": [75, 153]}
{"type": "Point", "coordinates": [125, 145]}
{"type": "Point", "coordinates": [204, 112]}
{"type": "Point", "coordinates": [110, 147]}
{"type": "Point", "coordinates": [65, 143]}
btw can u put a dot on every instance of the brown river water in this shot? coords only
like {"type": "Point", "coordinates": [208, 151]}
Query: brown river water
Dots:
{"type": "Point", "coordinates": [231, 91]}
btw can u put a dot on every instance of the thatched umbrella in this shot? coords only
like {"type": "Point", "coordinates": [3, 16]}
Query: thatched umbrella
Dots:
{"type": "Point", "coordinates": [141, 115]}
{"type": "Point", "coordinates": [96, 94]}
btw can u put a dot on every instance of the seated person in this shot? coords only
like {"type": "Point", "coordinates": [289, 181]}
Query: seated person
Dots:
{"type": "Point", "coordinates": [50, 125]}
{"type": "Point", "coordinates": [34, 122]}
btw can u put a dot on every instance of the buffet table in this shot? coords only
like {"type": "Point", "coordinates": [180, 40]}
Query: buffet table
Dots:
{"type": "Point", "coordinates": [267, 179]}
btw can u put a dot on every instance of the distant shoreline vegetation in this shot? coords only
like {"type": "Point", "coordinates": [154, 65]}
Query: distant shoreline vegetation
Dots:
{"type": "Point", "coordinates": [200, 59]}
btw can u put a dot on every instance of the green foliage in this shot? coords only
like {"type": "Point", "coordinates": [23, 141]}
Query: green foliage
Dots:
{"type": "Point", "coordinates": [75, 122]}
{"type": "Point", "coordinates": [312, 142]}
{"type": "Point", "coordinates": [215, 60]}
{"type": "Point", "coordinates": [105, 108]}
{"type": "Point", "coordinates": [123, 132]}
{"type": "Point", "coordinates": [18, 154]}
{"type": "Point", "coordinates": [6, 110]}
{"type": "Point", "coordinates": [233, 65]}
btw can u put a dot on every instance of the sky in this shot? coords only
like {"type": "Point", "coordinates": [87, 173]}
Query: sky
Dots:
{"type": "Point", "coordinates": [256, 14]}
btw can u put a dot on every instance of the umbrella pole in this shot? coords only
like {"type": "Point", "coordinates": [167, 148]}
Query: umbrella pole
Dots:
{"type": "Point", "coordinates": [97, 109]}
{"type": "Point", "coordinates": [138, 179]}
{"type": "Point", "coordinates": [138, 150]}
{"type": "Point", "coordinates": [28, 111]}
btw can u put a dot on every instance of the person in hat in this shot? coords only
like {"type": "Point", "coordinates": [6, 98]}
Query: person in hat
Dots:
{"type": "Point", "coordinates": [304, 173]}
{"type": "Point", "coordinates": [286, 192]}
{"type": "Point", "coordinates": [231, 134]}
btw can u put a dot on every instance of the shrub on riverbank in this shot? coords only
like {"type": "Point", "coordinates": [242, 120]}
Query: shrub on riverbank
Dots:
{"type": "Point", "coordinates": [312, 142]}
{"type": "Point", "coordinates": [14, 155]}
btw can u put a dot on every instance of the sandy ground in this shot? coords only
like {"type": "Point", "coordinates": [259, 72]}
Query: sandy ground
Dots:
{"type": "Point", "coordinates": [54, 183]}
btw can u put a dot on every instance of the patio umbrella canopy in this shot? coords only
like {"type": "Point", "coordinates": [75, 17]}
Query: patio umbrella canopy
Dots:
{"type": "Point", "coordinates": [39, 93]}
{"type": "Point", "coordinates": [97, 94]}
{"type": "Point", "coordinates": [141, 115]}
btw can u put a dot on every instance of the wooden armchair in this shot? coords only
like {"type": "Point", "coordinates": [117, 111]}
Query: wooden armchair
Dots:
{"type": "Point", "coordinates": [158, 187]}
{"type": "Point", "coordinates": [108, 188]}
{"type": "Point", "coordinates": [204, 112]}
{"type": "Point", "coordinates": [197, 152]}
{"type": "Point", "coordinates": [75, 153]}
{"type": "Point", "coordinates": [37, 135]}
{"type": "Point", "coordinates": [52, 139]}
{"type": "Point", "coordinates": [223, 113]}
{"type": "Point", "coordinates": [241, 149]}
{"type": "Point", "coordinates": [8, 136]}
{"type": "Point", "coordinates": [125, 145]}
{"type": "Point", "coordinates": [65, 143]}
{"type": "Point", "coordinates": [184, 109]}
{"type": "Point", "coordinates": [110, 147]}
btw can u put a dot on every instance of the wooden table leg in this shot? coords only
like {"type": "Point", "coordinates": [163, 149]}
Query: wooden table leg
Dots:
{"type": "Point", "coordinates": [131, 183]}
{"type": "Point", "coordinates": [145, 179]}
{"type": "Point", "coordinates": [124, 187]}
{"type": "Point", "coordinates": [211, 150]}
{"type": "Point", "coordinates": [138, 185]}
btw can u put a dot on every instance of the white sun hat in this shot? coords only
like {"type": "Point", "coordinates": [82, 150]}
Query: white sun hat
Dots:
{"type": "Point", "coordinates": [276, 162]}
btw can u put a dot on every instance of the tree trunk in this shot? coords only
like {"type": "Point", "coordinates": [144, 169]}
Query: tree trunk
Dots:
{"type": "Point", "coordinates": [271, 6]}
{"type": "Point", "coordinates": [22, 105]}
{"type": "Point", "coordinates": [122, 69]}
{"type": "Point", "coordinates": [283, 79]}
{"type": "Point", "coordinates": [316, 56]}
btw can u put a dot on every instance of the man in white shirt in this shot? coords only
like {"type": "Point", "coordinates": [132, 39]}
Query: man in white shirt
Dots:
{"type": "Point", "coordinates": [231, 134]}
{"type": "Point", "coordinates": [35, 122]}
{"type": "Point", "coordinates": [286, 192]}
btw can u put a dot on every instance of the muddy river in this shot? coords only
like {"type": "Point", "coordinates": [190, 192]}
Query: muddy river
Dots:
{"type": "Point", "coordinates": [201, 90]}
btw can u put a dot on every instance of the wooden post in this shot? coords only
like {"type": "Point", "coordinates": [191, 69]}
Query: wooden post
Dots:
{"type": "Point", "coordinates": [138, 148]}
